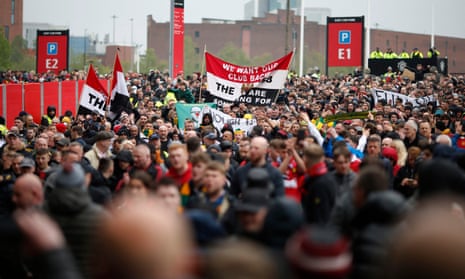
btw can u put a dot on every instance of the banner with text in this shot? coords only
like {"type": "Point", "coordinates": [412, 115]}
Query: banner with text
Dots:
{"type": "Point", "coordinates": [391, 98]}
{"type": "Point", "coordinates": [255, 85]}
{"type": "Point", "coordinates": [192, 112]}
{"type": "Point", "coordinates": [196, 112]}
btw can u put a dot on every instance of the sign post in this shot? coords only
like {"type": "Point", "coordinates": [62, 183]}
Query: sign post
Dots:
{"type": "Point", "coordinates": [52, 51]}
{"type": "Point", "coordinates": [344, 42]}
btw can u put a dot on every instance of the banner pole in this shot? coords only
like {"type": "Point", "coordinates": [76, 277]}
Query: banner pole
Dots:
{"type": "Point", "coordinates": [202, 69]}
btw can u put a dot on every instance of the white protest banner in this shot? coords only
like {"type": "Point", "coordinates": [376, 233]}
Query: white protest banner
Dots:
{"type": "Point", "coordinates": [220, 118]}
{"type": "Point", "coordinates": [260, 83]}
{"type": "Point", "coordinates": [391, 97]}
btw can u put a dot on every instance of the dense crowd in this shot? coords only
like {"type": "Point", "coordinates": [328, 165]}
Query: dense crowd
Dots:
{"type": "Point", "coordinates": [330, 183]}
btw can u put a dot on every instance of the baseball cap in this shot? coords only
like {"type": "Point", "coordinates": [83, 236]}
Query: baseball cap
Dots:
{"type": "Point", "coordinates": [253, 200]}
{"type": "Point", "coordinates": [27, 163]}
{"type": "Point", "coordinates": [211, 136]}
{"type": "Point", "coordinates": [154, 137]}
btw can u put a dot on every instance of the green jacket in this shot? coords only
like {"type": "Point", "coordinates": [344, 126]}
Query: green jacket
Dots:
{"type": "Point", "coordinates": [185, 95]}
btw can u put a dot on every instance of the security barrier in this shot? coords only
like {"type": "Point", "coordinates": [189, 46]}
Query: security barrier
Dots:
{"type": "Point", "coordinates": [34, 98]}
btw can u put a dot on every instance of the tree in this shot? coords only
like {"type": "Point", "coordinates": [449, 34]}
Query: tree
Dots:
{"type": "Point", "coordinates": [19, 57]}
{"type": "Point", "coordinates": [148, 61]}
{"type": "Point", "coordinates": [233, 54]}
{"type": "Point", "coordinates": [192, 56]}
{"type": "Point", "coordinates": [5, 51]}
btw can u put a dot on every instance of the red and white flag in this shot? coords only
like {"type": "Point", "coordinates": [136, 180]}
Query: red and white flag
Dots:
{"type": "Point", "coordinates": [93, 96]}
{"type": "Point", "coordinates": [256, 85]}
{"type": "Point", "coordinates": [119, 100]}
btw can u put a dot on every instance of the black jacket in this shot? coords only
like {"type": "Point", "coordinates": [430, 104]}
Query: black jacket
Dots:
{"type": "Point", "coordinates": [239, 180]}
{"type": "Point", "coordinates": [318, 198]}
{"type": "Point", "coordinates": [373, 226]}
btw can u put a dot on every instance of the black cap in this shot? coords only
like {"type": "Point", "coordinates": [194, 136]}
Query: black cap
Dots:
{"type": "Point", "coordinates": [124, 156]}
{"type": "Point", "coordinates": [226, 144]}
{"type": "Point", "coordinates": [103, 135]}
{"type": "Point", "coordinates": [252, 201]}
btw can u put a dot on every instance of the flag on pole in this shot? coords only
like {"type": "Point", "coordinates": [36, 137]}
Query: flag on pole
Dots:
{"type": "Point", "coordinates": [93, 96]}
{"type": "Point", "coordinates": [253, 85]}
{"type": "Point", "coordinates": [119, 100]}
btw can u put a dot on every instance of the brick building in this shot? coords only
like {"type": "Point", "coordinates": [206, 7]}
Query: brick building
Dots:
{"type": "Point", "coordinates": [267, 35]}
{"type": "Point", "coordinates": [126, 55]}
{"type": "Point", "coordinates": [11, 18]}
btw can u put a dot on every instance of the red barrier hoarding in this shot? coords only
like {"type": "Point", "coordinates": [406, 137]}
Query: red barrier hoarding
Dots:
{"type": "Point", "coordinates": [52, 50]}
{"type": "Point", "coordinates": [344, 41]}
{"type": "Point", "coordinates": [178, 37]}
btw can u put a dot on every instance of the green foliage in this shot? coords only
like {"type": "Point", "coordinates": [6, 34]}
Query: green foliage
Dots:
{"type": "Point", "coordinates": [234, 55]}
{"type": "Point", "coordinates": [5, 51]}
{"type": "Point", "coordinates": [148, 61]}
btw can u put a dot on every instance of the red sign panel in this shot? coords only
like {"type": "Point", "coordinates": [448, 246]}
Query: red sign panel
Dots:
{"type": "Point", "coordinates": [52, 50]}
{"type": "Point", "coordinates": [344, 41]}
{"type": "Point", "coordinates": [178, 38]}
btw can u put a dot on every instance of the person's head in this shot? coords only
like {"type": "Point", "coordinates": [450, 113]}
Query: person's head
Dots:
{"type": "Point", "coordinates": [103, 140]}
{"type": "Point", "coordinates": [139, 184]}
{"type": "Point", "coordinates": [215, 179]}
{"type": "Point", "coordinates": [244, 147]}
{"type": "Point", "coordinates": [167, 190]}
{"type": "Point", "coordinates": [444, 140]}
{"type": "Point", "coordinates": [228, 135]}
{"type": "Point", "coordinates": [16, 163]}
{"type": "Point", "coordinates": [27, 165]}
{"type": "Point", "coordinates": [145, 240]}
{"type": "Point", "coordinates": [435, 228]}
{"type": "Point", "coordinates": [252, 209]}
{"type": "Point", "coordinates": [178, 157]}
{"type": "Point", "coordinates": [77, 148]}
{"type": "Point", "coordinates": [14, 141]}
{"type": "Point", "coordinates": [373, 145]}
{"type": "Point", "coordinates": [199, 161]}
{"type": "Point", "coordinates": [277, 149]}
{"type": "Point", "coordinates": [141, 156]}
{"type": "Point", "coordinates": [410, 129]}
{"type": "Point", "coordinates": [163, 132]}
{"type": "Point", "coordinates": [341, 157]}
{"type": "Point", "coordinates": [313, 154]}
{"type": "Point", "coordinates": [425, 129]}
{"type": "Point", "coordinates": [412, 154]}
{"type": "Point", "coordinates": [42, 159]}
{"type": "Point", "coordinates": [28, 192]}
{"type": "Point", "coordinates": [386, 142]}
{"type": "Point", "coordinates": [370, 179]}
{"type": "Point", "coordinates": [258, 150]}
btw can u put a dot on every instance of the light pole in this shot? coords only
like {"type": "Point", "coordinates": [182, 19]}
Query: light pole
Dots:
{"type": "Point", "coordinates": [114, 19]}
{"type": "Point", "coordinates": [132, 43]}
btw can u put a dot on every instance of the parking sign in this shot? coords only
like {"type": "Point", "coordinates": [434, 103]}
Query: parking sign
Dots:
{"type": "Point", "coordinates": [344, 37]}
{"type": "Point", "coordinates": [52, 48]}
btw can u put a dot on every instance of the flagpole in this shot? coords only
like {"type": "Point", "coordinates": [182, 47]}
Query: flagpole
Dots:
{"type": "Point", "coordinates": [302, 22]}
{"type": "Point", "coordinates": [202, 68]}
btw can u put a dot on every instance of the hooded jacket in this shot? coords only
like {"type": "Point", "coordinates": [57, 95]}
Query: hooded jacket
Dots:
{"type": "Point", "coordinates": [78, 218]}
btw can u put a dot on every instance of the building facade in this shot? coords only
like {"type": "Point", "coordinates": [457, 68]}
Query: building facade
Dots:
{"type": "Point", "coordinates": [268, 35]}
{"type": "Point", "coordinates": [11, 18]}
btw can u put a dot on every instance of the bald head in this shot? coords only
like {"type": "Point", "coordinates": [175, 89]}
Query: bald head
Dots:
{"type": "Point", "coordinates": [141, 156]}
{"type": "Point", "coordinates": [28, 191]}
{"type": "Point", "coordinates": [257, 151]}
{"type": "Point", "coordinates": [146, 240]}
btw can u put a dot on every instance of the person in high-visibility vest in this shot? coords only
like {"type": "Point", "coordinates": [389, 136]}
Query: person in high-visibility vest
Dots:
{"type": "Point", "coordinates": [377, 54]}
{"type": "Point", "coordinates": [389, 54]}
{"type": "Point", "coordinates": [433, 52]}
{"type": "Point", "coordinates": [416, 53]}
{"type": "Point", "coordinates": [404, 54]}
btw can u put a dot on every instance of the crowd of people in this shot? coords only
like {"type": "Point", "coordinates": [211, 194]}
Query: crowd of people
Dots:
{"type": "Point", "coordinates": [330, 183]}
